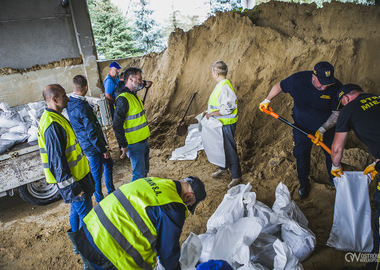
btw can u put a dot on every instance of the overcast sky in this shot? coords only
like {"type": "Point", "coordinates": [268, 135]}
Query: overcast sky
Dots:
{"type": "Point", "coordinates": [163, 8]}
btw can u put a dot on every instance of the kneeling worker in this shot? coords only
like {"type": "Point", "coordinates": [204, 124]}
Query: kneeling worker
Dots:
{"type": "Point", "coordinates": [138, 222]}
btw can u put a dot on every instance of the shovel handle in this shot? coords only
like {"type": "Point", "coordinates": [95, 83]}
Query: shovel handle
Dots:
{"type": "Point", "coordinates": [270, 112]}
{"type": "Point", "coordinates": [188, 106]}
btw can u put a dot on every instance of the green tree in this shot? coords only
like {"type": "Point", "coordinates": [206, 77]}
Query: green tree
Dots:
{"type": "Point", "coordinates": [147, 32]}
{"type": "Point", "coordinates": [113, 37]}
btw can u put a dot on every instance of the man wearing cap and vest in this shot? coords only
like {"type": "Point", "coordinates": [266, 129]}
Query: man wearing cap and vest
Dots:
{"type": "Point", "coordinates": [130, 123]}
{"type": "Point", "coordinates": [222, 105]}
{"type": "Point", "coordinates": [63, 159]}
{"type": "Point", "coordinates": [139, 222]}
{"type": "Point", "coordinates": [110, 83]}
{"type": "Point", "coordinates": [315, 111]}
{"type": "Point", "coordinates": [360, 113]}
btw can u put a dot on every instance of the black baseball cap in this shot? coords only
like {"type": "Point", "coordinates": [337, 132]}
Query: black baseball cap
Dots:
{"type": "Point", "coordinates": [198, 189]}
{"type": "Point", "coordinates": [347, 88]}
{"type": "Point", "coordinates": [325, 73]}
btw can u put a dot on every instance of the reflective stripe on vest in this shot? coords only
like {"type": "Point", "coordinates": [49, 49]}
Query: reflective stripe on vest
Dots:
{"type": "Point", "coordinates": [74, 155]}
{"type": "Point", "coordinates": [120, 227]}
{"type": "Point", "coordinates": [213, 104]}
{"type": "Point", "coordinates": [135, 126]}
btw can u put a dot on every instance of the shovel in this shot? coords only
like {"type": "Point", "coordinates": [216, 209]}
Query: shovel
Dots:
{"type": "Point", "coordinates": [182, 127]}
{"type": "Point", "coordinates": [275, 115]}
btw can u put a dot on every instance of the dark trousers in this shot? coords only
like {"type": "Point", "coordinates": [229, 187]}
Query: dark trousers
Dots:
{"type": "Point", "coordinates": [376, 236]}
{"type": "Point", "coordinates": [302, 150]}
{"type": "Point", "coordinates": [230, 151]}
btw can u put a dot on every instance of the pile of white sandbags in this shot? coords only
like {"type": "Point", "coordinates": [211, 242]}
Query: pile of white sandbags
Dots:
{"type": "Point", "coordinates": [19, 124]}
{"type": "Point", "coordinates": [250, 235]}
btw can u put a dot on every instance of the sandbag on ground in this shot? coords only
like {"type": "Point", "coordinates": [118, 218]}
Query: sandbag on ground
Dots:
{"type": "Point", "coordinates": [352, 204]}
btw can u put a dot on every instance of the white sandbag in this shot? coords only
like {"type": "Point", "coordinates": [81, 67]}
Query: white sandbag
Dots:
{"type": "Point", "coordinates": [10, 119]}
{"type": "Point", "coordinates": [230, 209]}
{"type": "Point", "coordinates": [193, 144]}
{"type": "Point", "coordinates": [285, 259]}
{"type": "Point", "coordinates": [5, 144]}
{"type": "Point", "coordinates": [191, 251]}
{"type": "Point", "coordinates": [19, 129]}
{"type": "Point", "coordinates": [212, 139]}
{"type": "Point", "coordinates": [352, 204]}
{"type": "Point", "coordinates": [232, 241]}
{"type": "Point", "coordinates": [253, 266]}
{"type": "Point", "coordinates": [301, 240]}
{"type": "Point", "coordinates": [33, 134]}
{"type": "Point", "coordinates": [14, 136]}
{"type": "Point", "coordinates": [5, 107]}
{"type": "Point", "coordinates": [207, 240]}
{"type": "Point", "coordinates": [268, 216]}
{"type": "Point", "coordinates": [262, 250]}
{"type": "Point", "coordinates": [287, 208]}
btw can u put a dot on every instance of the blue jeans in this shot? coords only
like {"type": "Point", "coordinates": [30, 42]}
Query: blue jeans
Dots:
{"type": "Point", "coordinates": [138, 153]}
{"type": "Point", "coordinates": [230, 150]}
{"type": "Point", "coordinates": [98, 164]}
{"type": "Point", "coordinates": [78, 211]}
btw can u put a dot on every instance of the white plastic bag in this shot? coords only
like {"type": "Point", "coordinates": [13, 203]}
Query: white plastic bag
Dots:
{"type": "Point", "coordinates": [14, 136]}
{"type": "Point", "coordinates": [285, 259]}
{"type": "Point", "coordinates": [5, 144]}
{"type": "Point", "coordinates": [232, 241]}
{"type": "Point", "coordinates": [207, 240]}
{"type": "Point", "coordinates": [191, 251]}
{"type": "Point", "coordinates": [193, 144]}
{"type": "Point", "coordinates": [212, 139]}
{"type": "Point", "coordinates": [301, 240]}
{"type": "Point", "coordinates": [230, 209]}
{"type": "Point", "coordinates": [352, 205]}
{"type": "Point", "coordinates": [262, 250]}
{"type": "Point", "coordinates": [287, 208]}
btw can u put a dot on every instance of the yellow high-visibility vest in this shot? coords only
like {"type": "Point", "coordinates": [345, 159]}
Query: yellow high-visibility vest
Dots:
{"type": "Point", "coordinates": [76, 160]}
{"type": "Point", "coordinates": [135, 126]}
{"type": "Point", "coordinates": [120, 226]}
{"type": "Point", "coordinates": [213, 104]}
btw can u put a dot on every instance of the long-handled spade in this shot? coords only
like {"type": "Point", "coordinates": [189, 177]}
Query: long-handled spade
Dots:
{"type": "Point", "coordinates": [275, 115]}
{"type": "Point", "coordinates": [182, 127]}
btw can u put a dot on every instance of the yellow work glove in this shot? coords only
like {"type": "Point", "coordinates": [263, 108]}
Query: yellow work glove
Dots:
{"type": "Point", "coordinates": [337, 171]}
{"type": "Point", "coordinates": [264, 104]}
{"type": "Point", "coordinates": [319, 135]}
{"type": "Point", "coordinates": [371, 170]}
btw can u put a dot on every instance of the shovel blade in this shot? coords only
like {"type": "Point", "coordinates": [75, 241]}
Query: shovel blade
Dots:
{"type": "Point", "coordinates": [182, 129]}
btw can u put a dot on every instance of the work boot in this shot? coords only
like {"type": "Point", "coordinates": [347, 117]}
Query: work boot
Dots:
{"type": "Point", "coordinates": [86, 263]}
{"type": "Point", "coordinates": [303, 192]}
{"type": "Point", "coordinates": [219, 173]}
{"type": "Point", "coordinates": [234, 182]}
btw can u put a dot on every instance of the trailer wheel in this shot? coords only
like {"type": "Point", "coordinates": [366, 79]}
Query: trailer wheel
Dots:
{"type": "Point", "coordinates": [39, 193]}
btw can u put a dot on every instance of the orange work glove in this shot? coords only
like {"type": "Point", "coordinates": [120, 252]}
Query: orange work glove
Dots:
{"type": "Point", "coordinates": [319, 135]}
{"type": "Point", "coordinates": [337, 171]}
{"type": "Point", "coordinates": [371, 170]}
{"type": "Point", "coordinates": [264, 104]}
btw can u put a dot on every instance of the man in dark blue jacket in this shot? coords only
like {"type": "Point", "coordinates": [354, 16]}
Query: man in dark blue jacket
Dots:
{"type": "Point", "coordinates": [90, 137]}
{"type": "Point", "coordinates": [315, 111]}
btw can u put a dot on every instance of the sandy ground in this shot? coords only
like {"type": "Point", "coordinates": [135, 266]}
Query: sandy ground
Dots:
{"type": "Point", "coordinates": [261, 47]}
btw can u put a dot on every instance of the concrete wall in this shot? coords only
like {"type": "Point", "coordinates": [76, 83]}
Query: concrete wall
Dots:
{"type": "Point", "coordinates": [17, 89]}
{"type": "Point", "coordinates": [35, 33]}
{"type": "Point", "coordinates": [40, 32]}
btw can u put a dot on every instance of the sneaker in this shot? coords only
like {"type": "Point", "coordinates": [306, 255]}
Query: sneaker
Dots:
{"type": "Point", "coordinates": [304, 192]}
{"type": "Point", "coordinates": [219, 173]}
{"type": "Point", "coordinates": [234, 182]}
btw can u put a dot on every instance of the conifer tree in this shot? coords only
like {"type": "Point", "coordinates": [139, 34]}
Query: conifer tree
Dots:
{"type": "Point", "coordinates": [146, 30]}
{"type": "Point", "coordinates": [113, 37]}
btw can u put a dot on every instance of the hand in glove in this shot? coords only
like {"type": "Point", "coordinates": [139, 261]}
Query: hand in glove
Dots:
{"type": "Point", "coordinates": [337, 171]}
{"type": "Point", "coordinates": [264, 105]}
{"type": "Point", "coordinates": [319, 135]}
{"type": "Point", "coordinates": [371, 170]}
